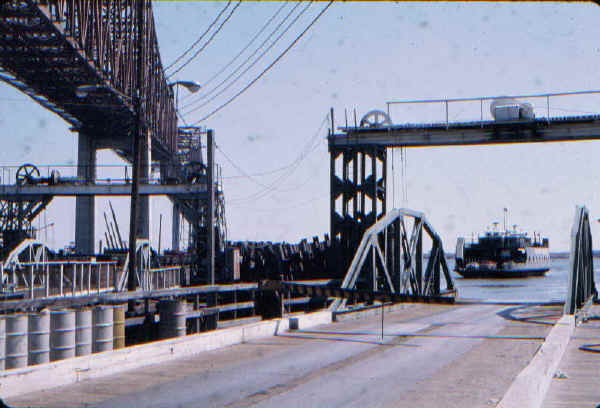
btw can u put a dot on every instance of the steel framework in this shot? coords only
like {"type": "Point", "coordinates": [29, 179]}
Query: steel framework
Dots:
{"type": "Point", "coordinates": [389, 259]}
{"type": "Point", "coordinates": [582, 287]}
{"type": "Point", "coordinates": [49, 48]}
{"type": "Point", "coordinates": [358, 195]}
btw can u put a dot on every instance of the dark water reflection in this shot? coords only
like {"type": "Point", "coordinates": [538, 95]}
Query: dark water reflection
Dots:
{"type": "Point", "coordinates": [551, 287]}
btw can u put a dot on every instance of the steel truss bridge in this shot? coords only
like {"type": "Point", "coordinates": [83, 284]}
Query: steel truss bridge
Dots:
{"type": "Point", "coordinates": [50, 49]}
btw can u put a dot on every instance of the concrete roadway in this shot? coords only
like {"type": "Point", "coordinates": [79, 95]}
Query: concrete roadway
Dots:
{"type": "Point", "coordinates": [430, 356]}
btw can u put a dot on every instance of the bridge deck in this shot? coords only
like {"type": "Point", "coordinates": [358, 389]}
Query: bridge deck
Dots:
{"type": "Point", "coordinates": [581, 387]}
{"type": "Point", "coordinates": [558, 129]}
{"type": "Point", "coordinates": [467, 354]}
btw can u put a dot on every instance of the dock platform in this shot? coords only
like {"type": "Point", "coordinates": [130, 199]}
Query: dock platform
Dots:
{"type": "Point", "coordinates": [428, 356]}
{"type": "Point", "coordinates": [577, 382]}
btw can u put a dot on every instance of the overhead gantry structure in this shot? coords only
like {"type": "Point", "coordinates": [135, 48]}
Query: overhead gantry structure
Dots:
{"type": "Point", "coordinates": [358, 154]}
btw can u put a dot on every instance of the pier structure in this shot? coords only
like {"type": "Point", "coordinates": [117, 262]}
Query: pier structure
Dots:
{"type": "Point", "coordinates": [99, 68]}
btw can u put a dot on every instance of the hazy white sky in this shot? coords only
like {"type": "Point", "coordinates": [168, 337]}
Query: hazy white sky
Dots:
{"type": "Point", "coordinates": [358, 56]}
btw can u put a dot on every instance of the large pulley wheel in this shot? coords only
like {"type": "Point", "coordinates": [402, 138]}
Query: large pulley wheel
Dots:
{"type": "Point", "coordinates": [26, 174]}
{"type": "Point", "coordinates": [375, 119]}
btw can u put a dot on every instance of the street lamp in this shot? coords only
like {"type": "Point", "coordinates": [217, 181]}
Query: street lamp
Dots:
{"type": "Point", "coordinates": [191, 86]}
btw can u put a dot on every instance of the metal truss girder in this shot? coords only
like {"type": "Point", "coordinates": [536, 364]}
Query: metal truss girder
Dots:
{"type": "Point", "coordinates": [360, 188]}
{"type": "Point", "coordinates": [388, 265]}
{"type": "Point", "coordinates": [96, 40]}
{"type": "Point", "coordinates": [39, 192]}
{"type": "Point", "coordinates": [472, 133]}
{"type": "Point", "coordinates": [582, 287]}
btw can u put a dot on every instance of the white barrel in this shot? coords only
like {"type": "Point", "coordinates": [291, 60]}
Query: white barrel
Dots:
{"type": "Point", "coordinates": [83, 332]}
{"type": "Point", "coordinates": [38, 338]}
{"type": "Point", "coordinates": [119, 326]}
{"type": "Point", "coordinates": [16, 341]}
{"type": "Point", "coordinates": [102, 328]}
{"type": "Point", "coordinates": [62, 334]}
{"type": "Point", "coordinates": [2, 342]}
{"type": "Point", "coordinates": [172, 318]}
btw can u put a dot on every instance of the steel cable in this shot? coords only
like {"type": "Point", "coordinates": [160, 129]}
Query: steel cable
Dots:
{"type": "Point", "coordinates": [207, 41]}
{"type": "Point", "coordinates": [213, 90]}
{"type": "Point", "coordinates": [268, 67]}
{"type": "Point", "coordinates": [201, 36]}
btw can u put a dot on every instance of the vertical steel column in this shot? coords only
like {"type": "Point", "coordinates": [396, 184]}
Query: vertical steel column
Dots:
{"type": "Point", "coordinates": [356, 192]}
{"type": "Point", "coordinates": [383, 189]}
{"type": "Point", "coordinates": [85, 206]}
{"type": "Point", "coordinates": [397, 255]}
{"type": "Point", "coordinates": [210, 236]}
{"type": "Point", "coordinates": [373, 187]}
{"type": "Point", "coordinates": [333, 226]}
{"type": "Point", "coordinates": [145, 156]}
{"type": "Point", "coordinates": [137, 136]}
{"type": "Point", "coordinates": [362, 188]}
{"type": "Point", "coordinates": [175, 225]}
{"type": "Point", "coordinates": [419, 258]}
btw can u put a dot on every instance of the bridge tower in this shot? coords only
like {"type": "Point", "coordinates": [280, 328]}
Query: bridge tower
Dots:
{"type": "Point", "coordinates": [85, 205]}
{"type": "Point", "coordinates": [357, 196]}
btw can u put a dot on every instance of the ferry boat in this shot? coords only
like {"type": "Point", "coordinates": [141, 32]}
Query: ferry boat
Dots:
{"type": "Point", "coordinates": [507, 254]}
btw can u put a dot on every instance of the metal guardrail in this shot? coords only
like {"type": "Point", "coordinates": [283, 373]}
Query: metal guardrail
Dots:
{"type": "Point", "coordinates": [478, 109]}
{"type": "Point", "coordinates": [43, 279]}
{"type": "Point", "coordinates": [582, 287]}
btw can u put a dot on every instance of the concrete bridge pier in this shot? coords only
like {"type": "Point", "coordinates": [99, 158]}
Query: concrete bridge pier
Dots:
{"type": "Point", "coordinates": [175, 228]}
{"type": "Point", "coordinates": [144, 218]}
{"type": "Point", "coordinates": [85, 205]}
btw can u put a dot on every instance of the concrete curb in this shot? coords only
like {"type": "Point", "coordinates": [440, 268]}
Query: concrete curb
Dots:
{"type": "Point", "coordinates": [59, 373]}
{"type": "Point", "coordinates": [531, 385]}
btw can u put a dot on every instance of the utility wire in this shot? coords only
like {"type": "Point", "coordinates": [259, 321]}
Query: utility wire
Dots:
{"type": "Point", "coordinates": [190, 59]}
{"type": "Point", "coordinates": [308, 149]}
{"type": "Point", "coordinates": [199, 38]}
{"type": "Point", "coordinates": [248, 59]}
{"type": "Point", "coordinates": [208, 81]}
{"type": "Point", "coordinates": [294, 165]}
{"type": "Point", "coordinates": [268, 67]}
{"type": "Point", "coordinates": [238, 168]}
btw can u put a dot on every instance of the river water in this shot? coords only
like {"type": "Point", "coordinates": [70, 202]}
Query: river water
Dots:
{"type": "Point", "coordinates": [551, 287]}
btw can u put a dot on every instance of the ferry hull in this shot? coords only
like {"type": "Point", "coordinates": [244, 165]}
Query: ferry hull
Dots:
{"type": "Point", "coordinates": [484, 273]}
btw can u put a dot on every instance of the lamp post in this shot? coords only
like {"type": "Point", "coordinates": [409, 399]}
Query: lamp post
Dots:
{"type": "Point", "coordinates": [191, 86]}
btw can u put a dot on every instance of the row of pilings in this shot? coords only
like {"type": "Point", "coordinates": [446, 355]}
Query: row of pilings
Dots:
{"type": "Point", "coordinates": [28, 339]}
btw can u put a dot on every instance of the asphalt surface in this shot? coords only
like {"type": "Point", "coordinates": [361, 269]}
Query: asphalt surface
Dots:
{"type": "Point", "coordinates": [453, 355]}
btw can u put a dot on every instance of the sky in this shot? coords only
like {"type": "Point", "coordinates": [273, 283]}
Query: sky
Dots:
{"type": "Point", "coordinates": [358, 56]}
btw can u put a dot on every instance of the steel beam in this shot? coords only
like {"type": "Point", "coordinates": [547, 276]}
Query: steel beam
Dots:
{"type": "Point", "coordinates": [353, 188]}
{"type": "Point", "coordinates": [471, 133]}
{"type": "Point", "coordinates": [37, 192]}
{"type": "Point", "coordinates": [581, 287]}
{"type": "Point", "coordinates": [84, 205]}
{"type": "Point", "coordinates": [210, 236]}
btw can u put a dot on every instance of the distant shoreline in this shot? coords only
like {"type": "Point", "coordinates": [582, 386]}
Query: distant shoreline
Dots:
{"type": "Point", "coordinates": [553, 255]}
